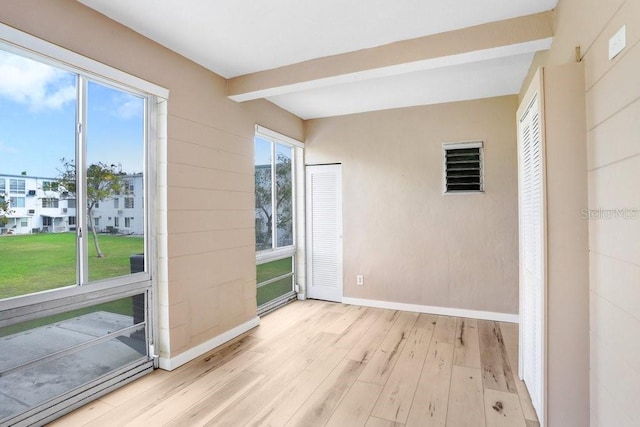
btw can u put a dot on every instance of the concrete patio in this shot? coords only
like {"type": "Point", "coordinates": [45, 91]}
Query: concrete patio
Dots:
{"type": "Point", "coordinates": [34, 384]}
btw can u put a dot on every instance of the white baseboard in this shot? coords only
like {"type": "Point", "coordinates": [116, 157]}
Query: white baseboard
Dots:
{"type": "Point", "coordinates": [443, 311]}
{"type": "Point", "coordinates": [172, 363]}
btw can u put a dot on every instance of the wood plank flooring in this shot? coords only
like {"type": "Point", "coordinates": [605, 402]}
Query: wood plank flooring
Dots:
{"type": "Point", "coordinates": [314, 363]}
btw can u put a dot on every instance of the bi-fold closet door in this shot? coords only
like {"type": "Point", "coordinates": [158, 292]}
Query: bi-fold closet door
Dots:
{"type": "Point", "coordinates": [531, 187]}
{"type": "Point", "coordinates": [532, 250]}
{"type": "Point", "coordinates": [553, 235]}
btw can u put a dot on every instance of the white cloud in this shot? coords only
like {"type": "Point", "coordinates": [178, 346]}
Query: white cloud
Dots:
{"type": "Point", "coordinates": [35, 84]}
{"type": "Point", "coordinates": [128, 106]}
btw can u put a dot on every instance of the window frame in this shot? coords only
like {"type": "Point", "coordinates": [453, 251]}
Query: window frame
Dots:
{"type": "Point", "coordinates": [84, 293]}
{"type": "Point", "coordinates": [50, 202]}
{"type": "Point", "coordinates": [13, 202]}
{"type": "Point", "coordinates": [143, 285]}
{"type": "Point", "coordinates": [17, 181]}
{"type": "Point", "coordinates": [276, 253]}
{"type": "Point", "coordinates": [50, 185]}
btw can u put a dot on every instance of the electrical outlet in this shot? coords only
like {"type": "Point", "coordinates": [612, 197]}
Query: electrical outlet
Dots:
{"type": "Point", "coordinates": [617, 42]}
{"type": "Point", "coordinates": [360, 279]}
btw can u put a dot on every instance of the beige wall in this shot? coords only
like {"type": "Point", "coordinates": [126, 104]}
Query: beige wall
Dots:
{"type": "Point", "coordinates": [211, 260]}
{"type": "Point", "coordinates": [412, 243]}
{"type": "Point", "coordinates": [612, 91]}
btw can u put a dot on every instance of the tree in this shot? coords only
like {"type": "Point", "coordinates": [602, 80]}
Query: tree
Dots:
{"type": "Point", "coordinates": [4, 210]}
{"type": "Point", "coordinates": [103, 183]}
{"type": "Point", "coordinates": [284, 215]}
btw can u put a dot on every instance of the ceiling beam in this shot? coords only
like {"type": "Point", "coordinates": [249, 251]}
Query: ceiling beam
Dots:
{"type": "Point", "coordinates": [482, 42]}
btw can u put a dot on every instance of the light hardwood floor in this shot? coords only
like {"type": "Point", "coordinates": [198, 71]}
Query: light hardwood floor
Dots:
{"type": "Point", "coordinates": [315, 363]}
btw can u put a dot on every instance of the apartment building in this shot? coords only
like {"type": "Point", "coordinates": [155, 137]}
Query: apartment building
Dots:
{"type": "Point", "coordinates": [39, 205]}
{"type": "Point", "coordinates": [122, 213]}
{"type": "Point", "coordinates": [36, 205]}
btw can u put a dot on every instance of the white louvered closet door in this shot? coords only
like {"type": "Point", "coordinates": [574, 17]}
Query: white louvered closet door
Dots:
{"type": "Point", "coordinates": [324, 232]}
{"type": "Point", "coordinates": [532, 251]}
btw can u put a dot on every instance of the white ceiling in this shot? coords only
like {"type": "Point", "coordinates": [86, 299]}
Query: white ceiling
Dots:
{"type": "Point", "coordinates": [482, 79]}
{"type": "Point", "coordinates": [238, 37]}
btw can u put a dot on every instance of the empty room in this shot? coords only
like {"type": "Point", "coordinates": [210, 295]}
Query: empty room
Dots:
{"type": "Point", "coordinates": [339, 213]}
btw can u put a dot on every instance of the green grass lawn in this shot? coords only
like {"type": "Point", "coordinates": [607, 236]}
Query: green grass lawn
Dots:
{"type": "Point", "coordinates": [38, 262]}
{"type": "Point", "coordinates": [271, 270]}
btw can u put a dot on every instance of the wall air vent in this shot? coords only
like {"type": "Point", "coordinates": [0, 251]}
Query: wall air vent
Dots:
{"type": "Point", "coordinates": [463, 167]}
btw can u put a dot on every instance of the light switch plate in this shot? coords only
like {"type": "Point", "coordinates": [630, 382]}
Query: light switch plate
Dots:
{"type": "Point", "coordinates": [617, 42]}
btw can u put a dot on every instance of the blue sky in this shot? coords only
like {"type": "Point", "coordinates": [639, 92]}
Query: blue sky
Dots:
{"type": "Point", "coordinates": [262, 154]}
{"type": "Point", "coordinates": [38, 116]}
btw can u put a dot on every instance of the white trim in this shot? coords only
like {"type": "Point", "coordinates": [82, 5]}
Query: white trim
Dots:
{"type": "Point", "coordinates": [442, 311]}
{"type": "Point", "coordinates": [59, 55]}
{"type": "Point", "coordinates": [170, 364]}
{"type": "Point", "coordinates": [299, 228]}
{"type": "Point", "coordinates": [446, 146]}
{"type": "Point", "coordinates": [461, 145]}
{"type": "Point", "coordinates": [277, 137]}
{"type": "Point", "coordinates": [276, 254]}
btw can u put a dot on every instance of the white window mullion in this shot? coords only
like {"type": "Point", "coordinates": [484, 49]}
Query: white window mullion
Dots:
{"type": "Point", "coordinates": [81, 179]}
{"type": "Point", "coordinates": [274, 203]}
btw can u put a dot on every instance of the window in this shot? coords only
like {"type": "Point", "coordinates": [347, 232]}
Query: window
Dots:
{"type": "Point", "coordinates": [49, 186]}
{"type": "Point", "coordinates": [24, 222]}
{"type": "Point", "coordinates": [49, 203]}
{"type": "Point", "coordinates": [17, 186]}
{"type": "Point", "coordinates": [116, 203]}
{"type": "Point", "coordinates": [96, 205]}
{"type": "Point", "coordinates": [116, 222]}
{"type": "Point", "coordinates": [128, 203]}
{"type": "Point", "coordinates": [16, 202]}
{"type": "Point", "coordinates": [275, 217]}
{"type": "Point", "coordinates": [71, 203]}
{"type": "Point", "coordinates": [128, 186]}
{"type": "Point", "coordinates": [274, 194]}
{"type": "Point", "coordinates": [3, 186]}
{"type": "Point", "coordinates": [463, 167]}
{"type": "Point", "coordinates": [127, 222]}
{"type": "Point", "coordinates": [68, 104]}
